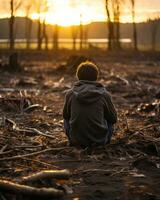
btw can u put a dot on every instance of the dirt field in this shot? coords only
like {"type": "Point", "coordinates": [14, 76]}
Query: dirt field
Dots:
{"type": "Point", "coordinates": [127, 169]}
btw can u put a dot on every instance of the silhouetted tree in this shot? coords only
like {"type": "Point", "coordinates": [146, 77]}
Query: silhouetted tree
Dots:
{"type": "Point", "coordinates": [154, 25]}
{"type": "Point", "coordinates": [40, 8]}
{"type": "Point", "coordinates": [39, 29]}
{"type": "Point", "coordinates": [113, 19]}
{"type": "Point", "coordinates": [116, 12]}
{"type": "Point", "coordinates": [134, 25]}
{"type": "Point", "coordinates": [110, 26]}
{"type": "Point", "coordinates": [45, 36]}
{"type": "Point", "coordinates": [55, 37]}
{"type": "Point", "coordinates": [81, 32]}
{"type": "Point", "coordinates": [85, 33]}
{"type": "Point", "coordinates": [28, 23]}
{"type": "Point", "coordinates": [74, 31]}
{"type": "Point", "coordinates": [14, 5]}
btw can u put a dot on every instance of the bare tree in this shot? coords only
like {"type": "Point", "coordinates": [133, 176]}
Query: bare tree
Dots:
{"type": "Point", "coordinates": [14, 5]}
{"type": "Point", "coordinates": [45, 36]}
{"type": "Point", "coordinates": [134, 25]}
{"type": "Point", "coordinates": [154, 25]}
{"type": "Point", "coordinates": [85, 33]}
{"type": "Point", "coordinates": [81, 32]}
{"type": "Point", "coordinates": [113, 19]}
{"type": "Point", "coordinates": [28, 23]}
{"type": "Point", "coordinates": [74, 31]}
{"type": "Point", "coordinates": [116, 11]}
{"type": "Point", "coordinates": [110, 25]}
{"type": "Point", "coordinates": [55, 37]}
{"type": "Point", "coordinates": [40, 9]}
{"type": "Point", "coordinates": [39, 29]}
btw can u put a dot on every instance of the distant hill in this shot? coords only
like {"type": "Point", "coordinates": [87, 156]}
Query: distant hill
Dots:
{"type": "Point", "coordinates": [95, 30]}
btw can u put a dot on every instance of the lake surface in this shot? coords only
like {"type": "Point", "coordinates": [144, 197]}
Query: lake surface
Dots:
{"type": "Point", "coordinates": [65, 43]}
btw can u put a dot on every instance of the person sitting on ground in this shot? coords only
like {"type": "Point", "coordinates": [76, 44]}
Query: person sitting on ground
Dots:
{"type": "Point", "coordinates": [88, 112]}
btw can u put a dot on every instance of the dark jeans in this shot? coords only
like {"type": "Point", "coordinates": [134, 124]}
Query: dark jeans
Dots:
{"type": "Point", "coordinates": [108, 135]}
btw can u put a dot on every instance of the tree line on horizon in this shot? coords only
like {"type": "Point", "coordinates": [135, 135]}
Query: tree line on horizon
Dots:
{"type": "Point", "coordinates": [113, 13]}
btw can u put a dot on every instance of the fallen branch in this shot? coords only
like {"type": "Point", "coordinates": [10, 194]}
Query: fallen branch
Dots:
{"type": "Point", "coordinates": [40, 162]}
{"type": "Point", "coordinates": [3, 148]}
{"type": "Point", "coordinates": [34, 153]}
{"type": "Point", "coordinates": [47, 174]}
{"type": "Point", "coordinates": [14, 125]}
{"type": "Point", "coordinates": [5, 152]}
{"type": "Point", "coordinates": [14, 188]}
{"type": "Point", "coordinates": [27, 147]}
{"type": "Point", "coordinates": [2, 197]}
{"type": "Point", "coordinates": [32, 107]}
{"type": "Point", "coordinates": [106, 171]}
{"type": "Point", "coordinates": [126, 121]}
{"type": "Point", "coordinates": [149, 126]}
{"type": "Point", "coordinates": [34, 130]}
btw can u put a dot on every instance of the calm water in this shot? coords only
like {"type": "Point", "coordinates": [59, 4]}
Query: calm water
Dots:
{"type": "Point", "coordinates": [64, 43]}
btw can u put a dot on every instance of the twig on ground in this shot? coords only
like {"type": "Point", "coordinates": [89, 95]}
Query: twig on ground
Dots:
{"type": "Point", "coordinates": [95, 170]}
{"type": "Point", "coordinates": [149, 126]}
{"type": "Point", "coordinates": [34, 153]}
{"type": "Point", "coordinates": [125, 117]}
{"type": "Point", "coordinates": [14, 125]}
{"type": "Point", "coordinates": [3, 148]}
{"type": "Point", "coordinates": [34, 130]}
{"type": "Point", "coordinates": [15, 188]}
{"type": "Point", "coordinates": [31, 107]}
{"type": "Point", "coordinates": [119, 172]}
{"type": "Point", "coordinates": [27, 146]}
{"type": "Point", "coordinates": [52, 174]}
{"type": "Point", "coordinates": [6, 152]}
{"type": "Point", "coordinates": [40, 162]}
{"type": "Point", "coordinates": [2, 197]}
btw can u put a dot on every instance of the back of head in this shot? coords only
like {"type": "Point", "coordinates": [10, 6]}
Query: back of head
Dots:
{"type": "Point", "coordinates": [87, 71]}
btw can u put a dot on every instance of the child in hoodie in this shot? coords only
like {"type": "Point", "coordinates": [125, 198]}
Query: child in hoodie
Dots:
{"type": "Point", "coordinates": [88, 112]}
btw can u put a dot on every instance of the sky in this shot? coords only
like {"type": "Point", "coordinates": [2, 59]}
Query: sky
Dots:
{"type": "Point", "coordinates": [69, 12]}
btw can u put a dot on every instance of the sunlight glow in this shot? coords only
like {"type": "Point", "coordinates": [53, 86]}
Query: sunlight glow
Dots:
{"type": "Point", "coordinates": [72, 12]}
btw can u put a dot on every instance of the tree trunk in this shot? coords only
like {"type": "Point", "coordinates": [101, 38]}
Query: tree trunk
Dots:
{"type": "Point", "coordinates": [74, 36]}
{"type": "Point", "coordinates": [28, 32]}
{"type": "Point", "coordinates": [86, 36]}
{"type": "Point", "coordinates": [45, 35]}
{"type": "Point", "coordinates": [110, 28]}
{"type": "Point", "coordinates": [134, 26]}
{"type": "Point", "coordinates": [39, 35]}
{"type": "Point", "coordinates": [11, 25]}
{"type": "Point", "coordinates": [81, 33]}
{"type": "Point", "coordinates": [118, 45]}
{"type": "Point", "coordinates": [55, 37]}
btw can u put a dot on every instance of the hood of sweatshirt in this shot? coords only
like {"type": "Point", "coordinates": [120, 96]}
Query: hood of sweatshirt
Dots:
{"type": "Point", "coordinates": [88, 92]}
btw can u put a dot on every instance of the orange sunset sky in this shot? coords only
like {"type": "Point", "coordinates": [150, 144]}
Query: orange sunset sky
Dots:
{"type": "Point", "coordinates": [67, 12]}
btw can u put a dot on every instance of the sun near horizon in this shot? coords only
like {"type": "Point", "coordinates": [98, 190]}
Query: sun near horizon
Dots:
{"type": "Point", "coordinates": [74, 12]}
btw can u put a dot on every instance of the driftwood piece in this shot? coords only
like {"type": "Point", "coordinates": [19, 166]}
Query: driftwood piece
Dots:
{"type": "Point", "coordinates": [14, 188]}
{"type": "Point", "coordinates": [47, 174]}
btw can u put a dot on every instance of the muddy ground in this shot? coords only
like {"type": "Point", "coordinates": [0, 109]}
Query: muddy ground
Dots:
{"type": "Point", "coordinates": [127, 169]}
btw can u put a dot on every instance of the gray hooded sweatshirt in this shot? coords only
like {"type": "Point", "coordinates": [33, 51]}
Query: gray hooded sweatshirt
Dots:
{"type": "Point", "coordinates": [88, 108]}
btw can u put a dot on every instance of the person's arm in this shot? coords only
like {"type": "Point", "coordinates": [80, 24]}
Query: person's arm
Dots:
{"type": "Point", "coordinates": [110, 113]}
{"type": "Point", "coordinates": [67, 106]}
